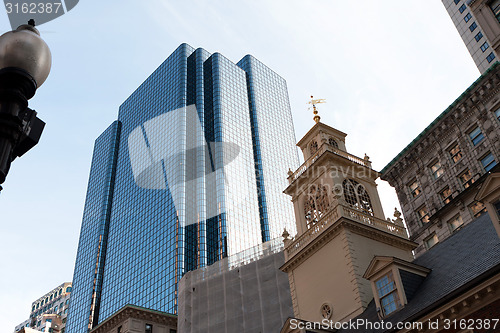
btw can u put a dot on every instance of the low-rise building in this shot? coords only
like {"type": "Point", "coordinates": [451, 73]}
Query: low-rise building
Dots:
{"type": "Point", "coordinates": [136, 319]}
{"type": "Point", "coordinates": [49, 309]}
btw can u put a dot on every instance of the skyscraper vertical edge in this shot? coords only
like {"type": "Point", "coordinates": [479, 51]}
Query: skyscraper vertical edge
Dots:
{"type": "Point", "coordinates": [270, 114]}
{"type": "Point", "coordinates": [91, 253]}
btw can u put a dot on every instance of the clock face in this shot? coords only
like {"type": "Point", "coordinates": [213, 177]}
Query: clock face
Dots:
{"type": "Point", "coordinates": [326, 311]}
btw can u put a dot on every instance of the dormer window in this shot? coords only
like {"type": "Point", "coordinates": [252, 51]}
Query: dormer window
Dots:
{"type": "Point", "coordinates": [394, 282]}
{"type": "Point", "coordinates": [388, 294]}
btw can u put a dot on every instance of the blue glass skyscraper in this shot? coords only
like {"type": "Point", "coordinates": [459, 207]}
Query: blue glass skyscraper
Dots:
{"type": "Point", "coordinates": [192, 171]}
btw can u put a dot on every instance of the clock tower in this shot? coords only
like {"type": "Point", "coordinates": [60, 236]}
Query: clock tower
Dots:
{"type": "Point", "coordinates": [340, 228]}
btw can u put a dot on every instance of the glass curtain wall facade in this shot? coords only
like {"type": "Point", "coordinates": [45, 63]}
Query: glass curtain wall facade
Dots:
{"type": "Point", "coordinates": [191, 172]}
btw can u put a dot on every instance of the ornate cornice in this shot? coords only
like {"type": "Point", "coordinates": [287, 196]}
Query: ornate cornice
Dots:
{"type": "Point", "coordinates": [136, 312]}
{"type": "Point", "coordinates": [344, 223]}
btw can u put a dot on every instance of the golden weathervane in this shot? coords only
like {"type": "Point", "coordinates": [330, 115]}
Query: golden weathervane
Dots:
{"type": "Point", "coordinates": [313, 102]}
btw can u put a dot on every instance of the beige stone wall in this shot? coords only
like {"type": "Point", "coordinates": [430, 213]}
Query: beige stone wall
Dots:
{"type": "Point", "coordinates": [362, 251]}
{"type": "Point", "coordinates": [324, 277]}
{"type": "Point", "coordinates": [334, 275]}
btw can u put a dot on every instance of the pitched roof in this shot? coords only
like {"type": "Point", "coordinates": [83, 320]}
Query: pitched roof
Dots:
{"type": "Point", "coordinates": [470, 253]}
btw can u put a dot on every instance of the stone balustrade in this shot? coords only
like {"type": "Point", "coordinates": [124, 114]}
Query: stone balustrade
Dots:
{"type": "Point", "coordinates": [293, 246]}
{"type": "Point", "coordinates": [323, 149]}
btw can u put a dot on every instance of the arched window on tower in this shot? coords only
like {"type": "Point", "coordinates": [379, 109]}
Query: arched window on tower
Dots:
{"type": "Point", "coordinates": [332, 142]}
{"type": "Point", "coordinates": [356, 196]}
{"type": "Point", "coordinates": [316, 204]}
{"type": "Point", "coordinates": [313, 147]}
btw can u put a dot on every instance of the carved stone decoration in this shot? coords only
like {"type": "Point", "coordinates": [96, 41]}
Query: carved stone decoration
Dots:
{"type": "Point", "coordinates": [313, 147]}
{"type": "Point", "coordinates": [310, 210]}
{"type": "Point", "coordinates": [332, 142]}
{"type": "Point", "coordinates": [316, 204]}
{"type": "Point", "coordinates": [322, 136]}
{"type": "Point", "coordinates": [364, 199]}
{"type": "Point", "coordinates": [356, 196]}
{"type": "Point", "coordinates": [398, 220]}
{"type": "Point", "coordinates": [285, 234]}
{"type": "Point", "coordinates": [322, 199]}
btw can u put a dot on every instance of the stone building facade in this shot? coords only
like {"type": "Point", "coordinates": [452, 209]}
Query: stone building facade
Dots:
{"type": "Point", "coordinates": [487, 13]}
{"type": "Point", "coordinates": [49, 309]}
{"type": "Point", "coordinates": [474, 31]}
{"type": "Point", "coordinates": [136, 319]}
{"type": "Point", "coordinates": [438, 174]}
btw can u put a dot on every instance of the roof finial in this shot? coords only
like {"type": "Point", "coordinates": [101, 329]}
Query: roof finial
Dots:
{"type": "Point", "coordinates": [313, 102]}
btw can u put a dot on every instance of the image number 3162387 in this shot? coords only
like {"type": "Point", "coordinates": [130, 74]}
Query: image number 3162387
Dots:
{"type": "Point", "coordinates": [42, 11]}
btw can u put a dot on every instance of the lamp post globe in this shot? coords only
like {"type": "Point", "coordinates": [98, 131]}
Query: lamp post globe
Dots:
{"type": "Point", "coordinates": [25, 62]}
{"type": "Point", "coordinates": [24, 49]}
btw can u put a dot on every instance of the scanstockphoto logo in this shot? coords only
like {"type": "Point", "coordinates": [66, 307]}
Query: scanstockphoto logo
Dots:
{"type": "Point", "coordinates": [42, 11]}
{"type": "Point", "coordinates": [170, 152]}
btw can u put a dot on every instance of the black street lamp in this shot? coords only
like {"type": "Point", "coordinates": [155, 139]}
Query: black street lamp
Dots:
{"type": "Point", "coordinates": [25, 62]}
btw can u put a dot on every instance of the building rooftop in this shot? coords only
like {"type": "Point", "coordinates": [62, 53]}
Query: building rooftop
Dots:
{"type": "Point", "coordinates": [463, 260]}
{"type": "Point", "coordinates": [138, 312]}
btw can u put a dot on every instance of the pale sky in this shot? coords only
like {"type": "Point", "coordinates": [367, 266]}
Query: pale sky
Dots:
{"type": "Point", "coordinates": [386, 68]}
